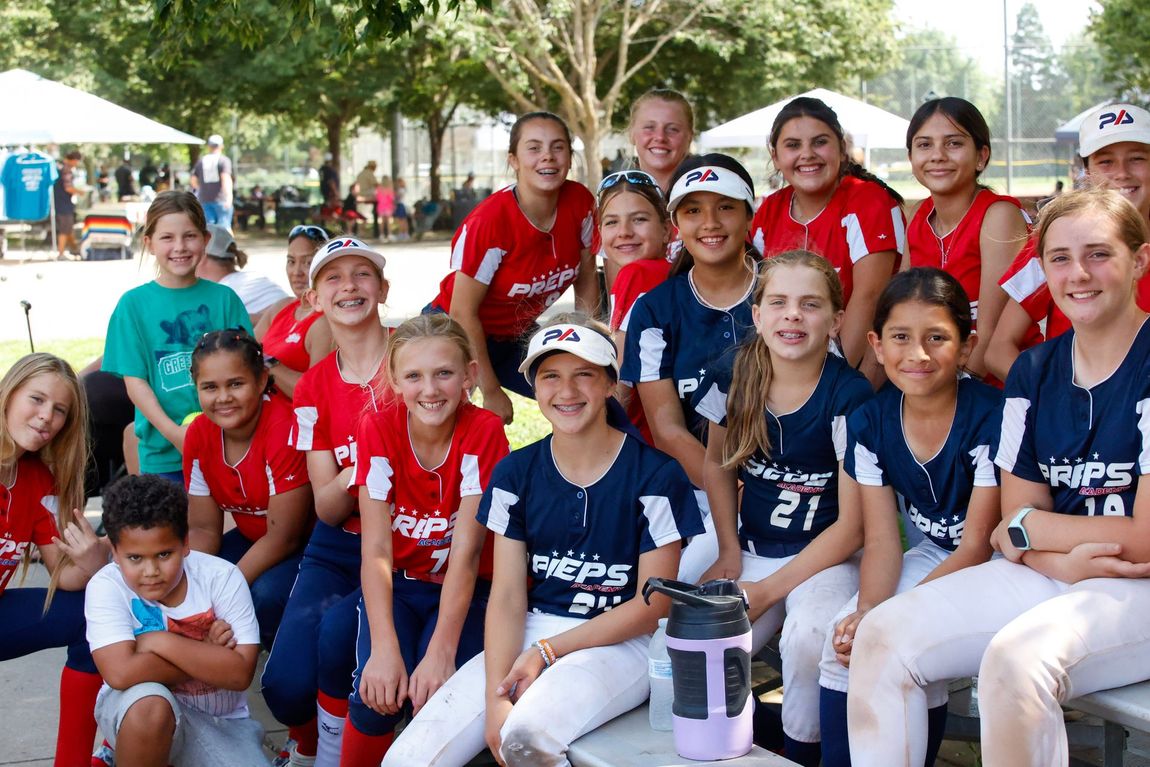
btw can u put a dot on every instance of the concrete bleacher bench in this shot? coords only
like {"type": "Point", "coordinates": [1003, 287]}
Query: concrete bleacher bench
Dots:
{"type": "Point", "coordinates": [629, 741]}
{"type": "Point", "coordinates": [1120, 708]}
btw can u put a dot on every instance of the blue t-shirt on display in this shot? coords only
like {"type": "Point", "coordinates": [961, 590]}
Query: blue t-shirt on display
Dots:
{"type": "Point", "coordinates": [790, 495]}
{"type": "Point", "coordinates": [1089, 446]}
{"type": "Point", "coordinates": [933, 494]}
{"type": "Point", "coordinates": [27, 179]}
{"type": "Point", "coordinates": [583, 543]}
{"type": "Point", "coordinates": [674, 334]}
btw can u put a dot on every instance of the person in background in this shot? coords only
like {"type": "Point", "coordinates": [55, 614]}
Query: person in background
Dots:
{"type": "Point", "coordinates": [213, 183]}
{"type": "Point", "coordinates": [224, 264]}
{"type": "Point", "coordinates": [64, 192]}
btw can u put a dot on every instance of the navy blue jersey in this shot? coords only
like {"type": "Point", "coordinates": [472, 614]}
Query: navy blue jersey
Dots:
{"type": "Point", "coordinates": [1089, 445]}
{"type": "Point", "coordinates": [583, 543]}
{"type": "Point", "coordinates": [933, 495]}
{"type": "Point", "coordinates": [674, 334]}
{"type": "Point", "coordinates": [790, 494]}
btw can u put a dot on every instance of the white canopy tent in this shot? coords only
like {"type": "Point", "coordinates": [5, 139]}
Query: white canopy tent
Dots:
{"type": "Point", "coordinates": [42, 111]}
{"type": "Point", "coordinates": [868, 126]}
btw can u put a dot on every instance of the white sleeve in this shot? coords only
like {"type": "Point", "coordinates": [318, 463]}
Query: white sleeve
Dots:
{"type": "Point", "coordinates": [106, 610]}
{"type": "Point", "coordinates": [233, 603]}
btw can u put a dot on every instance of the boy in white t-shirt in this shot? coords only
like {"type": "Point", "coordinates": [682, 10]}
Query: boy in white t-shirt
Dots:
{"type": "Point", "coordinates": [174, 635]}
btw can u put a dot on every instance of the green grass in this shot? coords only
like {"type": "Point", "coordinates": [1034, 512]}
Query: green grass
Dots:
{"type": "Point", "coordinates": [529, 424]}
{"type": "Point", "coordinates": [78, 352]}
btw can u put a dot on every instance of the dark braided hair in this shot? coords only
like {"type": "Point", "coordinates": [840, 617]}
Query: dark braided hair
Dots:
{"type": "Point", "coordinates": [235, 340]}
{"type": "Point", "coordinates": [806, 106]}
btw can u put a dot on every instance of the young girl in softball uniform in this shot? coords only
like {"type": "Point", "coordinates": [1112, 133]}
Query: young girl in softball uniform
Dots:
{"type": "Point", "coordinates": [154, 327]}
{"type": "Point", "coordinates": [1058, 615]}
{"type": "Point", "coordinates": [238, 461]}
{"type": "Point", "coordinates": [923, 447]}
{"type": "Point", "coordinates": [633, 228]}
{"type": "Point", "coordinates": [582, 519]}
{"type": "Point", "coordinates": [682, 326]}
{"type": "Point", "coordinates": [422, 464]}
{"type": "Point", "coordinates": [517, 252]}
{"type": "Point", "coordinates": [835, 208]}
{"type": "Point", "coordinates": [43, 452]}
{"type": "Point", "coordinates": [963, 228]}
{"type": "Point", "coordinates": [330, 399]}
{"type": "Point", "coordinates": [1114, 143]}
{"type": "Point", "coordinates": [294, 336]}
{"type": "Point", "coordinates": [777, 409]}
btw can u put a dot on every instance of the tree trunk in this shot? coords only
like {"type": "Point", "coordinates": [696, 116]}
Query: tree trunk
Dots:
{"type": "Point", "coordinates": [592, 138]}
{"type": "Point", "coordinates": [436, 127]}
{"type": "Point", "coordinates": [333, 126]}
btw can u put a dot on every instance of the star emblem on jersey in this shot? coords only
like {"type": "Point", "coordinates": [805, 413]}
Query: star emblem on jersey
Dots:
{"type": "Point", "coordinates": [882, 236]}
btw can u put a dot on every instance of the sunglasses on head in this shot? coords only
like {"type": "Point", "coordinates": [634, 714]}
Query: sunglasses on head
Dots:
{"type": "Point", "coordinates": [311, 231]}
{"type": "Point", "coordinates": [636, 177]}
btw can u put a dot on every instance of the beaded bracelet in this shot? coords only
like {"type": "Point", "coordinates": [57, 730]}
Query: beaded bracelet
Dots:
{"type": "Point", "coordinates": [546, 651]}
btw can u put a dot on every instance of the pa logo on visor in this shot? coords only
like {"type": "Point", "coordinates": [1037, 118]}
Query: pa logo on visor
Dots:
{"type": "Point", "coordinates": [701, 176]}
{"type": "Point", "coordinates": [559, 334]}
{"type": "Point", "coordinates": [1121, 117]}
{"type": "Point", "coordinates": [337, 244]}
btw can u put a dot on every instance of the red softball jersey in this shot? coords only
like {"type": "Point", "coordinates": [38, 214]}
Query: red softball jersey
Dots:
{"type": "Point", "coordinates": [524, 268]}
{"type": "Point", "coordinates": [27, 514]}
{"type": "Point", "coordinates": [286, 337]}
{"type": "Point", "coordinates": [424, 501]}
{"type": "Point", "coordinates": [861, 218]}
{"type": "Point", "coordinates": [328, 410]}
{"type": "Point", "coordinates": [270, 466]}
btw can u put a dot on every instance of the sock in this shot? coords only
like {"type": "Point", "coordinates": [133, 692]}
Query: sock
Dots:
{"type": "Point", "coordinates": [833, 715]}
{"type": "Point", "coordinates": [362, 750]}
{"type": "Point", "coordinates": [77, 728]}
{"type": "Point", "coordinates": [331, 715]}
{"type": "Point", "coordinates": [935, 730]}
{"type": "Point", "coordinates": [305, 737]}
{"type": "Point", "coordinates": [806, 754]}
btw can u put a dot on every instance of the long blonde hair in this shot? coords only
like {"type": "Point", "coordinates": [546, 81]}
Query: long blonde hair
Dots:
{"type": "Point", "coordinates": [752, 374]}
{"type": "Point", "coordinates": [67, 454]}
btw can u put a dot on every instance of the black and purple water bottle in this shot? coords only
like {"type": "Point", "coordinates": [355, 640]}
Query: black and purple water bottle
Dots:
{"type": "Point", "coordinates": [709, 641]}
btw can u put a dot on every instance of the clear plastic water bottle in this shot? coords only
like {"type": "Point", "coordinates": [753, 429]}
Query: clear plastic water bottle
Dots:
{"type": "Point", "coordinates": [659, 672]}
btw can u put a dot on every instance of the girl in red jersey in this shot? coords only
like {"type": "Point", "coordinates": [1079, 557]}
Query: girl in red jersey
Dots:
{"type": "Point", "coordinates": [963, 228]}
{"type": "Point", "coordinates": [835, 208]}
{"type": "Point", "coordinates": [330, 399]}
{"type": "Point", "coordinates": [1114, 143]}
{"type": "Point", "coordinates": [294, 335]}
{"type": "Point", "coordinates": [422, 465]}
{"type": "Point", "coordinates": [43, 451]}
{"type": "Point", "coordinates": [633, 227]}
{"type": "Point", "coordinates": [237, 459]}
{"type": "Point", "coordinates": [517, 252]}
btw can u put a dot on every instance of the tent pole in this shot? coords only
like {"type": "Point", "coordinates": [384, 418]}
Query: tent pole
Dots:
{"type": "Point", "coordinates": [52, 215]}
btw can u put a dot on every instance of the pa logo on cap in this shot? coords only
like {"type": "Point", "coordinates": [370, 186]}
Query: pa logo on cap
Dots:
{"type": "Point", "coordinates": [1121, 117]}
{"type": "Point", "coordinates": [340, 244]}
{"type": "Point", "coordinates": [559, 334]}
{"type": "Point", "coordinates": [701, 176]}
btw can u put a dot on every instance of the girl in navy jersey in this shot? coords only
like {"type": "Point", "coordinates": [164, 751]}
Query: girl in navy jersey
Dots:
{"type": "Point", "coordinates": [963, 228]}
{"type": "Point", "coordinates": [1060, 614]}
{"type": "Point", "coordinates": [43, 451]}
{"type": "Point", "coordinates": [517, 252]}
{"type": "Point", "coordinates": [921, 447]}
{"type": "Point", "coordinates": [238, 460]}
{"type": "Point", "coordinates": [679, 328]}
{"type": "Point", "coordinates": [582, 519]}
{"type": "Point", "coordinates": [294, 335]}
{"type": "Point", "coordinates": [835, 208]}
{"type": "Point", "coordinates": [330, 399]}
{"type": "Point", "coordinates": [633, 227]}
{"type": "Point", "coordinates": [422, 465]}
{"type": "Point", "coordinates": [777, 409]}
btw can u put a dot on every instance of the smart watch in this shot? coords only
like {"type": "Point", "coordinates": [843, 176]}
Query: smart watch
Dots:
{"type": "Point", "coordinates": [1018, 536]}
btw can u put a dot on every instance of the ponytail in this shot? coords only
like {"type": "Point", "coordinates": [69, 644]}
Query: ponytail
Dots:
{"type": "Point", "coordinates": [747, 403]}
{"type": "Point", "coordinates": [852, 168]}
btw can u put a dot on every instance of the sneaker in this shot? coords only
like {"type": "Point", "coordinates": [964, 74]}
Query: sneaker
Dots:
{"type": "Point", "coordinates": [104, 756]}
{"type": "Point", "coordinates": [290, 757]}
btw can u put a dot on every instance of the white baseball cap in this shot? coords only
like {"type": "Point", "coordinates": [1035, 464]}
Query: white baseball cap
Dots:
{"type": "Point", "coordinates": [215, 140]}
{"type": "Point", "coordinates": [579, 340]}
{"type": "Point", "coordinates": [710, 178]}
{"type": "Point", "coordinates": [339, 247]}
{"type": "Point", "coordinates": [221, 239]}
{"type": "Point", "coordinates": [1112, 124]}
